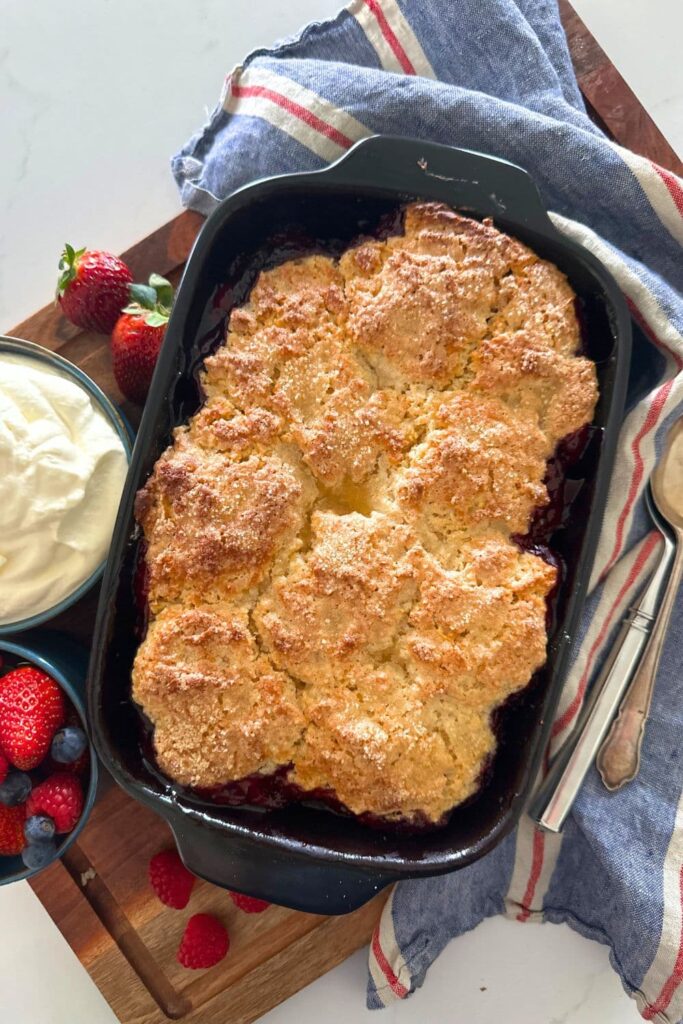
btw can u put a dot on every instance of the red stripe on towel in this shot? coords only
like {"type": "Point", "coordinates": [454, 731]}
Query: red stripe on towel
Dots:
{"type": "Point", "coordinates": [538, 850]}
{"type": "Point", "coordinates": [388, 33]}
{"type": "Point", "coordinates": [651, 421]}
{"type": "Point", "coordinates": [673, 981]}
{"type": "Point", "coordinates": [296, 110]}
{"type": "Point", "coordinates": [651, 336]}
{"type": "Point", "coordinates": [397, 988]}
{"type": "Point", "coordinates": [673, 185]}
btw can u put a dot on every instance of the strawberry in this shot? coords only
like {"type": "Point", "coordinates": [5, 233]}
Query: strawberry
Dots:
{"type": "Point", "coordinates": [31, 710]}
{"type": "Point", "coordinates": [12, 829]}
{"type": "Point", "coordinates": [93, 288]}
{"type": "Point", "coordinates": [60, 797]}
{"type": "Point", "coordinates": [137, 337]}
{"type": "Point", "coordinates": [249, 904]}
{"type": "Point", "coordinates": [205, 941]}
{"type": "Point", "coordinates": [4, 767]}
{"type": "Point", "coordinates": [170, 879]}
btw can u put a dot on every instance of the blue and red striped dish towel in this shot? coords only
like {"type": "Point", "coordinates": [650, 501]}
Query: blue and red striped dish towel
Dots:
{"type": "Point", "coordinates": [495, 76]}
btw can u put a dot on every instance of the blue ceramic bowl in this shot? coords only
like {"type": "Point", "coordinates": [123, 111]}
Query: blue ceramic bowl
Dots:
{"type": "Point", "coordinates": [16, 346]}
{"type": "Point", "coordinates": [67, 663]}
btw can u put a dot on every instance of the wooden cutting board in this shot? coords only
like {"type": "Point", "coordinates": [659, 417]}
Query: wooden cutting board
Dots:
{"type": "Point", "coordinates": [98, 896]}
{"type": "Point", "coordinates": [127, 940]}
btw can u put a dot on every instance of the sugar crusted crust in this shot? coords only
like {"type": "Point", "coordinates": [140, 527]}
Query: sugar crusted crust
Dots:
{"type": "Point", "coordinates": [333, 584]}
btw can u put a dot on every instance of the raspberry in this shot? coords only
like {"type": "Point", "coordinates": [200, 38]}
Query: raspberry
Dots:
{"type": "Point", "coordinates": [12, 829]}
{"type": "Point", "coordinates": [61, 798]}
{"type": "Point", "coordinates": [170, 879]}
{"type": "Point", "coordinates": [205, 941]}
{"type": "Point", "coordinates": [249, 904]}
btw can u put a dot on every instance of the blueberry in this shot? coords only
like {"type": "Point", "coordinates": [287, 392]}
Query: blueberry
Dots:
{"type": "Point", "coordinates": [68, 744]}
{"type": "Point", "coordinates": [38, 855]}
{"type": "Point", "coordinates": [39, 829]}
{"type": "Point", "coordinates": [15, 789]}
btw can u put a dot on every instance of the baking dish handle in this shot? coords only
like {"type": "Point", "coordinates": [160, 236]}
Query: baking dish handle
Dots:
{"type": "Point", "coordinates": [460, 177]}
{"type": "Point", "coordinates": [280, 876]}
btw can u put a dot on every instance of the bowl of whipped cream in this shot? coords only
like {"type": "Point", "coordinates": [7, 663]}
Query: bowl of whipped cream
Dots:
{"type": "Point", "coordinates": [64, 456]}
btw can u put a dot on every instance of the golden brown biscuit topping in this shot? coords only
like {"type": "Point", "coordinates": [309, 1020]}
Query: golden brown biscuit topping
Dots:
{"type": "Point", "coordinates": [333, 583]}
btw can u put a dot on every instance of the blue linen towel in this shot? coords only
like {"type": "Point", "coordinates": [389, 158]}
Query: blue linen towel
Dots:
{"type": "Point", "coordinates": [495, 76]}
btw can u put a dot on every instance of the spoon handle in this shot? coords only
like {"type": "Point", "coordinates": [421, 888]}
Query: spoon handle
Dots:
{"type": "Point", "coordinates": [619, 757]}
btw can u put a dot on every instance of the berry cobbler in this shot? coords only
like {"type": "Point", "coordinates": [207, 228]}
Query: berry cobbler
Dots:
{"type": "Point", "coordinates": [335, 586]}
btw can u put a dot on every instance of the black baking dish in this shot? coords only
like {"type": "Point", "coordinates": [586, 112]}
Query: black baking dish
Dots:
{"type": "Point", "coordinates": [301, 856]}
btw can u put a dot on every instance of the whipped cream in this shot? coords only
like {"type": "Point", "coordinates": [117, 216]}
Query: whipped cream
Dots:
{"type": "Point", "coordinates": [62, 468]}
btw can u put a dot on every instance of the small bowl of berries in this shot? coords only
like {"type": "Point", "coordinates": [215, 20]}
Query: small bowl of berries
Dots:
{"type": "Point", "coordinates": [48, 767]}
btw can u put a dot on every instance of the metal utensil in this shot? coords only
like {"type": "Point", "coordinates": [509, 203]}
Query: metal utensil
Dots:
{"type": "Point", "coordinates": [555, 797]}
{"type": "Point", "coordinates": [632, 665]}
{"type": "Point", "coordinates": [619, 758]}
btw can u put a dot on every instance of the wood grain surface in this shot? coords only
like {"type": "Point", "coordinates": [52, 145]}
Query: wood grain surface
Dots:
{"type": "Point", "coordinates": [127, 940]}
{"type": "Point", "coordinates": [98, 896]}
{"type": "Point", "coordinates": [608, 96]}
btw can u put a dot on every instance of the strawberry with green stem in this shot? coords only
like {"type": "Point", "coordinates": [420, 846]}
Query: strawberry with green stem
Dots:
{"type": "Point", "coordinates": [92, 288]}
{"type": "Point", "coordinates": [138, 334]}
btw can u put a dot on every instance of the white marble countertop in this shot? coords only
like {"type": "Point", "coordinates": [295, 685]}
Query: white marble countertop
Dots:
{"type": "Point", "coordinates": [94, 100]}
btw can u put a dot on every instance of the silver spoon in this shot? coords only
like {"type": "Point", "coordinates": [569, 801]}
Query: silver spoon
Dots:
{"type": "Point", "coordinates": [555, 797]}
{"type": "Point", "coordinates": [619, 758]}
